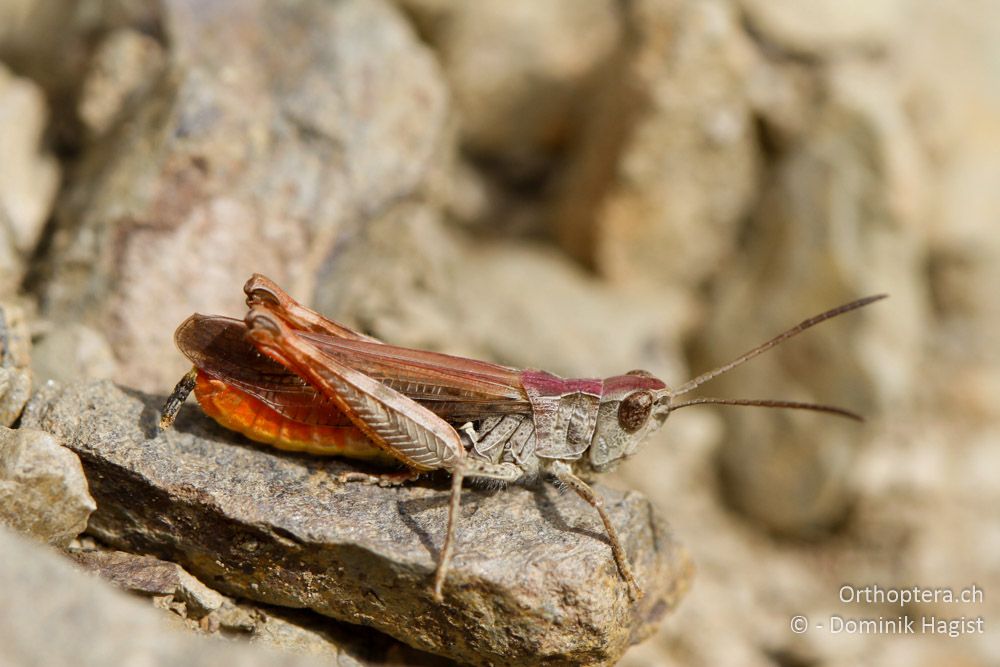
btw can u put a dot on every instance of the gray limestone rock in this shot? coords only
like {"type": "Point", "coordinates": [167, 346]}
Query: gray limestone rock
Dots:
{"type": "Point", "coordinates": [533, 581]}
{"type": "Point", "coordinates": [53, 614]}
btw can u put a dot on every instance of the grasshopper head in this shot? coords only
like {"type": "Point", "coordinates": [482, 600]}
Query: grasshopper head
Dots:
{"type": "Point", "coordinates": [632, 406]}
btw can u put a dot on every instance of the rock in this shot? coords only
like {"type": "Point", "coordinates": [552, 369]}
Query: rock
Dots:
{"type": "Point", "coordinates": [43, 491]}
{"type": "Point", "coordinates": [15, 357]}
{"type": "Point", "coordinates": [29, 176]}
{"type": "Point", "coordinates": [667, 165]}
{"type": "Point", "coordinates": [303, 631]}
{"type": "Point", "coordinates": [532, 581]}
{"type": "Point", "coordinates": [519, 70]}
{"type": "Point", "coordinates": [53, 614]}
{"type": "Point", "coordinates": [266, 625]}
{"type": "Point", "coordinates": [247, 156]}
{"type": "Point", "coordinates": [919, 137]}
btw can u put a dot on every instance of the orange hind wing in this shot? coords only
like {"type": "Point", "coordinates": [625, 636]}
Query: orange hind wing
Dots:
{"type": "Point", "coordinates": [238, 411]}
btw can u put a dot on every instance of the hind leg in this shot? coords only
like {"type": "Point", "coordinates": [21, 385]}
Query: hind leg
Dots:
{"type": "Point", "coordinates": [262, 291]}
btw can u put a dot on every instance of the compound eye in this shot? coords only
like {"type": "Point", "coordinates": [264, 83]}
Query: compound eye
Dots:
{"type": "Point", "coordinates": [634, 410]}
{"type": "Point", "coordinates": [642, 374]}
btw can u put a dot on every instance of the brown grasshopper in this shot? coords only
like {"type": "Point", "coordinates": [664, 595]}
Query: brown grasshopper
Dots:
{"type": "Point", "coordinates": [289, 377]}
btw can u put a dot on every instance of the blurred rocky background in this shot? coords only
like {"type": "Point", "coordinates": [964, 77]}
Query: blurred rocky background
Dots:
{"type": "Point", "coordinates": [584, 186]}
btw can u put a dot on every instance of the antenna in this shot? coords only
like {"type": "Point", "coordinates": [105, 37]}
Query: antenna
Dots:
{"type": "Point", "coordinates": [797, 329]}
{"type": "Point", "coordinates": [795, 405]}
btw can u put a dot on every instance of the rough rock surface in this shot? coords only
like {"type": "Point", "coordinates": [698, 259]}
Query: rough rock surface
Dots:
{"type": "Point", "coordinates": [246, 156]}
{"type": "Point", "coordinates": [757, 160]}
{"type": "Point", "coordinates": [54, 614]}
{"type": "Point", "coordinates": [533, 581]}
{"type": "Point", "coordinates": [43, 491]}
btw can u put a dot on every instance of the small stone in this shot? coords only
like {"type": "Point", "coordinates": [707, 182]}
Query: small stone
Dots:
{"type": "Point", "coordinates": [151, 576]}
{"type": "Point", "coordinates": [533, 580]}
{"type": "Point", "coordinates": [43, 491]}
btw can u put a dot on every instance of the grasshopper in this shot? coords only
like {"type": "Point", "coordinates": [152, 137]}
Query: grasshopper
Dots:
{"type": "Point", "coordinates": [287, 376]}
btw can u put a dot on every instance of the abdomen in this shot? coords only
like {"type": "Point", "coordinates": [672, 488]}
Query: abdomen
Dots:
{"type": "Point", "coordinates": [241, 412]}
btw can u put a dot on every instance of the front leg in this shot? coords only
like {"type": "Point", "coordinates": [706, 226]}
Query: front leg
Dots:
{"type": "Point", "coordinates": [565, 475]}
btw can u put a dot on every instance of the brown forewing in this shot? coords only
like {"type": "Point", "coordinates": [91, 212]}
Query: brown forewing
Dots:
{"type": "Point", "coordinates": [455, 388]}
